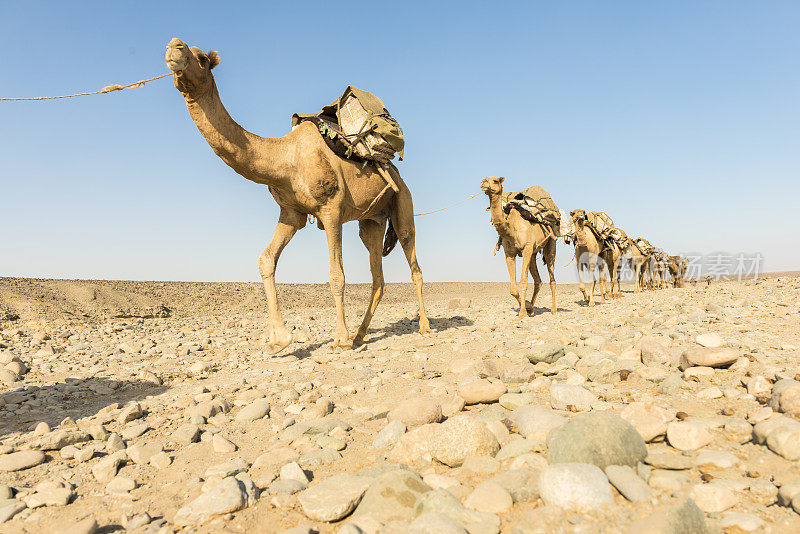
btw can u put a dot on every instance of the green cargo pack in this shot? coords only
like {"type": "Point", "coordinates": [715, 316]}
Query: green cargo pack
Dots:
{"type": "Point", "coordinates": [358, 126]}
{"type": "Point", "coordinates": [535, 205]}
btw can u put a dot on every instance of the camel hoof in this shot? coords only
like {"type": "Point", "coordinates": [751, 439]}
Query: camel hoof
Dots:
{"type": "Point", "coordinates": [275, 348]}
{"type": "Point", "coordinates": [426, 329]}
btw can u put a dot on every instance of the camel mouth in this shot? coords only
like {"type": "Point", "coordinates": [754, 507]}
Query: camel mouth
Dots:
{"type": "Point", "coordinates": [175, 64]}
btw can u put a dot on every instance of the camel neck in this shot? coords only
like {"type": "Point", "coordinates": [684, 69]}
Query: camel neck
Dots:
{"type": "Point", "coordinates": [257, 158]}
{"type": "Point", "coordinates": [499, 219]}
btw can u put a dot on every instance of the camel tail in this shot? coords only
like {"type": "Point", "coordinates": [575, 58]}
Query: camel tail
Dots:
{"type": "Point", "coordinates": [390, 240]}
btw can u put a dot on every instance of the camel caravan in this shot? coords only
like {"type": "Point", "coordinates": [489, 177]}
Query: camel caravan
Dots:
{"type": "Point", "coordinates": [335, 166]}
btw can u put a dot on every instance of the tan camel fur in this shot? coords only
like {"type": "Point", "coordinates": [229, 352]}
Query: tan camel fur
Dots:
{"type": "Point", "coordinates": [589, 254]}
{"type": "Point", "coordinates": [306, 178]}
{"type": "Point", "coordinates": [637, 261]}
{"type": "Point", "coordinates": [677, 269]}
{"type": "Point", "coordinates": [613, 258]}
{"type": "Point", "coordinates": [520, 237]}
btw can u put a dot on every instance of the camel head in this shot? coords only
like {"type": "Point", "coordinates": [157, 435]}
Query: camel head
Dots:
{"type": "Point", "coordinates": [492, 185]}
{"type": "Point", "coordinates": [577, 217]}
{"type": "Point", "coordinates": [191, 67]}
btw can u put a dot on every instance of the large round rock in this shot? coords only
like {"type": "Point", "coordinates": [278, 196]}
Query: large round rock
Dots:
{"type": "Point", "coordinates": [596, 438]}
{"type": "Point", "coordinates": [459, 437]}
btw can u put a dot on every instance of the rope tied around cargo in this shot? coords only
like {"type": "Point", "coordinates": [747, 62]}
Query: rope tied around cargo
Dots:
{"type": "Point", "coordinates": [104, 90]}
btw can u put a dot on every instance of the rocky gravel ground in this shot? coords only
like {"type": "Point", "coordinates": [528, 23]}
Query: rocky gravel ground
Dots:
{"type": "Point", "coordinates": [667, 411]}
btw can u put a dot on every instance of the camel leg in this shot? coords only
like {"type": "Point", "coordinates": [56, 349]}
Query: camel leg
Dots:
{"type": "Point", "coordinates": [371, 234]}
{"type": "Point", "coordinates": [581, 285]}
{"type": "Point", "coordinates": [601, 274]}
{"type": "Point", "coordinates": [527, 253]}
{"type": "Point", "coordinates": [333, 231]}
{"type": "Point", "coordinates": [537, 281]}
{"type": "Point", "coordinates": [511, 263]}
{"type": "Point", "coordinates": [592, 268]}
{"type": "Point", "coordinates": [549, 255]}
{"type": "Point", "coordinates": [288, 224]}
{"type": "Point", "coordinates": [403, 222]}
{"type": "Point", "coordinates": [637, 282]}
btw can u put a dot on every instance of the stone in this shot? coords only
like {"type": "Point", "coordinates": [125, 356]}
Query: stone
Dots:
{"type": "Point", "coordinates": [416, 411]}
{"type": "Point", "coordinates": [129, 413]}
{"type": "Point", "coordinates": [518, 373]}
{"type": "Point", "coordinates": [575, 486]}
{"type": "Point", "coordinates": [571, 397]}
{"type": "Point", "coordinates": [258, 409]}
{"type": "Point", "coordinates": [521, 484]}
{"type": "Point", "coordinates": [60, 439]}
{"type": "Point", "coordinates": [293, 471]}
{"type": "Point", "coordinates": [708, 357]}
{"type": "Point", "coordinates": [413, 446]}
{"type": "Point", "coordinates": [654, 353]}
{"type": "Point", "coordinates": [226, 497]}
{"type": "Point", "coordinates": [461, 436]}
{"type": "Point", "coordinates": [512, 401]}
{"type": "Point", "coordinates": [710, 340]}
{"type": "Point", "coordinates": [597, 438]}
{"type": "Point", "coordinates": [738, 430]}
{"type": "Point", "coordinates": [786, 397]}
{"type": "Point", "coordinates": [715, 460]}
{"type": "Point", "coordinates": [8, 511]}
{"type": "Point", "coordinates": [649, 420]}
{"type": "Point", "coordinates": [391, 497]}
{"type": "Point", "coordinates": [686, 436]}
{"type": "Point", "coordinates": [536, 422]}
{"type": "Point", "coordinates": [547, 352]}
{"type": "Point", "coordinates": [187, 433]}
{"type": "Point", "coordinates": [17, 461]}
{"type": "Point", "coordinates": [668, 480]}
{"type": "Point", "coordinates": [434, 522]}
{"type": "Point", "coordinates": [713, 498]}
{"type": "Point", "coordinates": [286, 487]}
{"type": "Point", "coordinates": [685, 518]}
{"type": "Point", "coordinates": [444, 502]}
{"type": "Point", "coordinates": [333, 498]}
{"type": "Point", "coordinates": [758, 386]}
{"type": "Point", "coordinates": [221, 444]}
{"type": "Point", "coordinates": [107, 468]}
{"type": "Point", "coordinates": [227, 469]}
{"type": "Point", "coordinates": [785, 441]}
{"type": "Point", "coordinates": [741, 523]}
{"type": "Point", "coordinates": [51, 495]}
{"type": "Point", "coordinates": [389, 435]}
{"type": "Point", "coordinates": [141, 454]}
{"type": "Point", "coordinates": [8, 377]}
{"type": "Point", "coordinates": [489, 497]}
{"type": "Point", "coordinates": [481, 391]}
{"type": "Point", "coordinates": [484, 465]}
{"type": "Point", "coordinates": [628, 483]}
{"type": "Point", "coordinates": [121, 484]}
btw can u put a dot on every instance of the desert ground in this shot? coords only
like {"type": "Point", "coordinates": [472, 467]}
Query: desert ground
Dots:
{"type": "Point", "coordinates": [152, 407]}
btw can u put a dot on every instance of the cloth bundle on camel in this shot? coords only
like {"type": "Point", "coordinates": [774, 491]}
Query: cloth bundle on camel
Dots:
{"type": "Point", "coordinates": [535, 205]}
{"type": "Point", "coordinates": [619, 236]}
{"type": "Point", "coordinates": [644, 245]}
{"type": "Point", "coordinates": [358, 126]}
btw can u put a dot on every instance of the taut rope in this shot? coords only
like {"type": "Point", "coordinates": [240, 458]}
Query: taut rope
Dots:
{"type": "Point", "coordinates": [104, 90]}
{"type": "Point", "coordinates": [446, 207]}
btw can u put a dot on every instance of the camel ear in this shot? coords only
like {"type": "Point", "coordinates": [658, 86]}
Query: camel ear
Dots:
{"type": "Point", "coordinates": [213, 58]}
{"type": "Point", "coordinates": [572, 213]}
{"type": "Point", "coordinates": [501, 179]}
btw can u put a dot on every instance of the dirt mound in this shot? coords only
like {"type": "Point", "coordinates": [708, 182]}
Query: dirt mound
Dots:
{"type": "Point", "coordinates": [96, 300]}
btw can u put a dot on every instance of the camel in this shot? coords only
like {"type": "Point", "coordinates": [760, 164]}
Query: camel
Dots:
{"type": "Point", "coordinates": [637, 260]}
{"type": "Point", "coordinates": [677, 269]}
{"type": "Point", "coordinates": [520, 237]}
{"type": "Point", "coordinates": [307, 180]}
{"type": "Point", "coordinates": [589, 254]}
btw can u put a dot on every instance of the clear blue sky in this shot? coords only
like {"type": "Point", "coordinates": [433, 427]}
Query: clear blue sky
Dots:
{"type": "Point", "coordinates": [680, 119]}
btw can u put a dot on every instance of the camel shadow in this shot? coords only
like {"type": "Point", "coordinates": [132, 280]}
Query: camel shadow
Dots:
{"type": "Point", "coordinates": [74, 398]}
{"type": "Point", "coordinates": [538, 310]}
{"type": "Point", "coordinates": [411, 326]}
{"type": "Point", "coordinates": [398, 328]}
